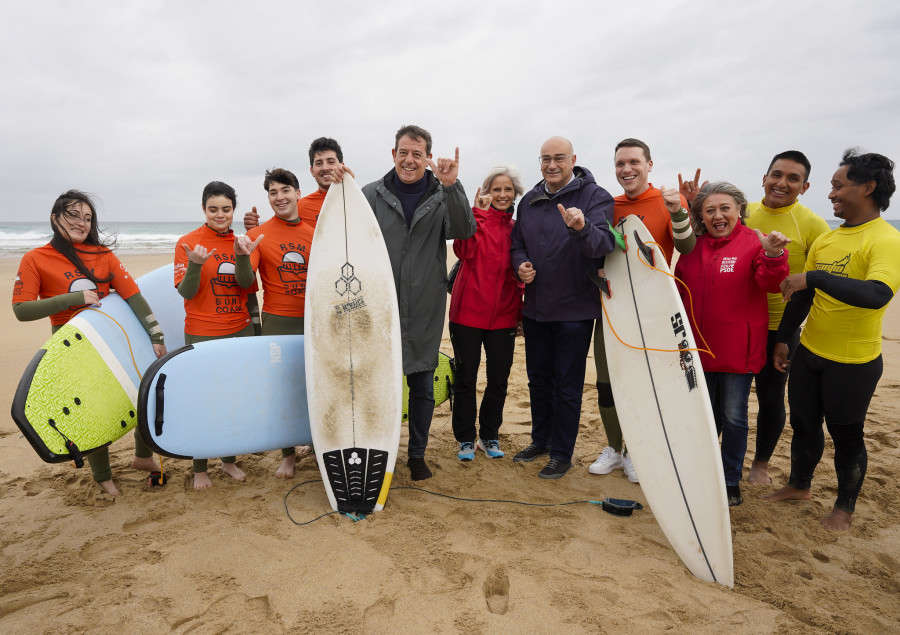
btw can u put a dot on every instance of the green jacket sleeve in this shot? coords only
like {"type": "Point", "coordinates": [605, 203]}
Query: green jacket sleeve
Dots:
{"type": "Point", "coordinates": [243, 272]}
{"type": "Point", "coordinates": [682, 232]}
{"type": "Point", "coordinates": [190, 284]}
{"type": "Point", "coordinates": [38, 309]}
{"type": "Point", "coordinates": [145, 314]}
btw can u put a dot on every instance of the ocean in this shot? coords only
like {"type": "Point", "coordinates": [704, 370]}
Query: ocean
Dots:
{"type": "Point", "coordinates": [17, 238]}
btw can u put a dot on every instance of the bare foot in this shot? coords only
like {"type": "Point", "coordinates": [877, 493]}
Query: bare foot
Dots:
{"type": "Point", "coordinates": [304, 450]}
{"type": "Point", "coordinates": [232, 470]}
{"type": "Point", "coordinates": [759, 473]}
{"type": "Point", "coordinates": [789, 493]}
{"type": "Point", "coordinates": [287, 467]}
{"type": "Point", "coordinates": [201, 480]}
{"type": "Point", "coordinates": [147, 464]}
{"type": "Point", "coordinates": [109, 487]}
{"type": "Point", "coordinates": [838, 519]}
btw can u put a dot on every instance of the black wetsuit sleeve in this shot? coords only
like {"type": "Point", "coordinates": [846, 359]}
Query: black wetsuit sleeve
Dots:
{"type": "Point", "coordinates": [865, 294]}
{"type": "Point", "coordinates": [794, 314]}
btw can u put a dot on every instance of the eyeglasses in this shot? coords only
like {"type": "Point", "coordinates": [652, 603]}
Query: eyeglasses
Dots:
{"type": "Point", "coordinates": [74, 218]}
{"type": "Point", "coordinates": [558, 159]}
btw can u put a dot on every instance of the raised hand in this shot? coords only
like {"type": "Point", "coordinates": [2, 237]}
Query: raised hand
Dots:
{"type": "Point", "coordinates": [243, 246]}
{"type": "Point", "coordinates": [251, 219]}
{"type": "Point", "coordinates": [446, 170]}
{"type": "Point", "coordinates": [671, 199]}
{"type": "Point", "coordinates": [689, 189]}
{"type": "Point", "coordinates": [774, 243]}
{"type": "Point", "coordinates": [572, 216]}
{"type": "Point", "coordinates": [198, 255]}
{"type": "Point", "coordinates": [482, 199]}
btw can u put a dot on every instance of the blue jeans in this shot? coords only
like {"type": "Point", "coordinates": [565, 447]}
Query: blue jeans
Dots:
{"type": "Point", "coordinates": [555, 358]}
{"type": "Point", "coordinates": [729, 394]}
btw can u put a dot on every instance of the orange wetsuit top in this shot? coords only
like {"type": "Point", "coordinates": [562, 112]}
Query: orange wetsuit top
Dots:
{"type": "Point", "coordinates": [44, 273]}
{"type": "Point", "coordinates": [651, 209]}
{"type": "Point", "coordinates": [220, 305]}
{"type": "Point", "coordinates": [309, 207]}
{"type": "Point", "coordinates": [282, 259]}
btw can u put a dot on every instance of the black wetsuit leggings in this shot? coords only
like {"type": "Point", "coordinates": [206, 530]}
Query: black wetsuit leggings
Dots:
{"type": "Point", "coordinates": [840, 394]}
{"type": "Point", "coordinates": [770, 383]}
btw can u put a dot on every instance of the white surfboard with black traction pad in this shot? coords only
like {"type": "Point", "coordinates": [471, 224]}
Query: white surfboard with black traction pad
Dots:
{"type": "Point", "coordinates": [354, 371]}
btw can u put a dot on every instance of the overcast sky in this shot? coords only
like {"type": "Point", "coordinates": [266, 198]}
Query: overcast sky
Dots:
{"type": "Point", "coordinates": [143, 103]}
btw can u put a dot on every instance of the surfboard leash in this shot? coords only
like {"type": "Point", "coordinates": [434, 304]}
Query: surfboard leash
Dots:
{"type": "Point", "coordinates": [615, 506]}
{"type": "Point", "coordinates": [658, 350]}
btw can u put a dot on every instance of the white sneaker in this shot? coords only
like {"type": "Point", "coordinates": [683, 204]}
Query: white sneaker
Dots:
{"type": "Point", "coordinates": [608, 460]}
{"type": "Point", "coordinates": [629, 469]}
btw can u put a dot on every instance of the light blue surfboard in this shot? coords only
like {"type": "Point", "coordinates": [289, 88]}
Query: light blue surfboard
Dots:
{"type": "Point", "coordinates": [226, 397]}
{"type": "Point", "coordinates": [79, 392]}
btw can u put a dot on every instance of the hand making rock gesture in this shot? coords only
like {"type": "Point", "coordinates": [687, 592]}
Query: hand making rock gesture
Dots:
{"type": "Point", "coordinates": [446, 170]}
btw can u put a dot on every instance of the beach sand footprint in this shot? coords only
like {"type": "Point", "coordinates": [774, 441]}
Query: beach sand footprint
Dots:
{"type": "Point", "coordinates": [377, 616]}
{"type": "Point", "coordinates": [496, 591]}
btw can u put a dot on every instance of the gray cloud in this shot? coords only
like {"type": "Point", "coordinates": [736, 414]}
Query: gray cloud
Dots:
{"type": "Point", "coordinates": [144, 103]}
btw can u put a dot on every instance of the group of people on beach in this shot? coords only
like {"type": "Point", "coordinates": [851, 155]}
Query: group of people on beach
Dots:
{"type": "Point", "coordinates": [752, 273]}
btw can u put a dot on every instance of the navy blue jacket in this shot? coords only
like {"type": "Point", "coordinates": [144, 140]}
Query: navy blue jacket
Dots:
{"type": "Point", "coordinates": [561, 289]}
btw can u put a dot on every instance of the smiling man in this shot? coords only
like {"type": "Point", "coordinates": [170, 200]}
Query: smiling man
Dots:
{"type": "Point", "coordinates": [418, 210]}
{"type": "Point", "coordinates": [562, 230]}
{"type": "Point", "coordinates": [280, 250]}
{"type": "Point", "coordinates": [663, 211]}
{"type": "Point", "coordinates": [784, 182]}
{"type": "Point", "coordinates": [325, 156]}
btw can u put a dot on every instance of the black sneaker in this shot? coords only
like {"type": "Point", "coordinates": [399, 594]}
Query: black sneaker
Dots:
{"type": "Point", "coordinates": [555, 469]}
{"type": "Point", "coordinates": [734, 495]}
{"type": "Point", "coordinates": [418, 468]}
{"type": "Point", "coordinates": [530, 453]}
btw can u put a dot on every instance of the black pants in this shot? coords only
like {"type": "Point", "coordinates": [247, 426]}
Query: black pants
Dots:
{"type": "Point", "coordinates": [499, 347]}
{"type": "Point", "coordinates": [840, 394]}
{"type": "Point", "coordinates": [770, 384]}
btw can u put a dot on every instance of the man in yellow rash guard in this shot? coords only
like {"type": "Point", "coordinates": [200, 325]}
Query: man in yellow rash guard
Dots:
{"type": "Point", "coordinates": [780, 210]}
{"type": "Point", "coordinates": [851, 275]}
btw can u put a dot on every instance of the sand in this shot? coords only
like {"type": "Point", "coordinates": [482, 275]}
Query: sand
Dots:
{"type": "Point", "coordinates": [170, 559]}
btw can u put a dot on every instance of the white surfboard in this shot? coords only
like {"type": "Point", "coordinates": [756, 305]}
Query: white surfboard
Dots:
{"type": "Point", "coordinates": [663, 406]}
{"type": "Point", "coordinates": [353, 357]}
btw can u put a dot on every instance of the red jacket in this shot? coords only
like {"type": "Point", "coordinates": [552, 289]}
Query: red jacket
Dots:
{"type": "Point", "coordinates": [728, 279]}
{"type": "Point", "coordinates": [486, 294]}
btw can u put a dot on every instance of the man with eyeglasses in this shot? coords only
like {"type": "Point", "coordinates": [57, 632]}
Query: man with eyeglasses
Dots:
{"type": "Point", "coordinates": [562, 230]}
{"type": "Point", "coordinates": [418, 211]}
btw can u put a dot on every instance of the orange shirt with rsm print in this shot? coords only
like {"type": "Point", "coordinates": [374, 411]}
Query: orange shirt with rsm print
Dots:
{"type": "Point", "coordinates": [309, 207]}
{"type": "Point", "coordinates": [44, 273]}
{"type": "Point", "coordinates": [282, 259]}
{"type": "Point", "coordinates": [220, 306]}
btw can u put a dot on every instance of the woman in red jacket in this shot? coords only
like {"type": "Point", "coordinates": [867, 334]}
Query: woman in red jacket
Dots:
{"type": "Point", "coordinates": [485, 308]}
{"type": "Point", "coordinates": [728, 273]}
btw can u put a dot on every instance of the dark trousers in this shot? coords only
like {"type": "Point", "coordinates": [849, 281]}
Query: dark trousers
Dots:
{"type": "Point", "coordinates": [555, 357]}
{"type": "Point", "coordinates": [499, 347]}
{"type": "Point", "coordinates": [770, 383]}
{"type": "Point", "coordinates": [839, 394]}
{"type": "Point", "coordinates": [421, 409]}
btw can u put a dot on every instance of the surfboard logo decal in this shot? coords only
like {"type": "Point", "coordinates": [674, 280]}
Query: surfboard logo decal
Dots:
{"type": "Point", "coordinates": [348, 283]}
{"type": "Point", "coordinates": [687, 359]}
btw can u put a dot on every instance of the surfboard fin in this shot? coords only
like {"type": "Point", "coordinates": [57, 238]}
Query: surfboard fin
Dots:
{"type": "Point", "coordinates": [620, 239]}
{"type": "Point", "coordinates": [602, 283]}
{"type": "Point", "coordinates": [645, 249]}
